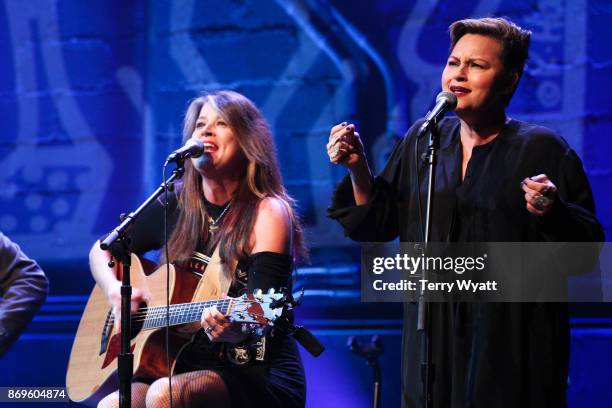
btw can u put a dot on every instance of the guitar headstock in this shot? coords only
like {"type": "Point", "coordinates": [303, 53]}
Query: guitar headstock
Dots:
{"type": "Point", "coordinates": [259, 312]}
{"type": "Point", "coordinates": [257, 308]}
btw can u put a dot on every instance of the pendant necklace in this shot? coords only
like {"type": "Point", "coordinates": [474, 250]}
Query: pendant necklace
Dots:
{"type": "Point", "coordinates": [213, 224]}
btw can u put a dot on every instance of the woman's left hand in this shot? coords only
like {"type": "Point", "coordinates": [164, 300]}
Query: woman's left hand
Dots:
{"type": "Point", "coordinates": [540, 194]}
{"type": "Point", "coordinates": [219, 329]}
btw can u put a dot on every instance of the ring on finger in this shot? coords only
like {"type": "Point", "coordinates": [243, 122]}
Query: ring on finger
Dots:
{"type": "Point", "coordinates": [540, 202]}
{"type": "Point", "coordinates": [209, 329]}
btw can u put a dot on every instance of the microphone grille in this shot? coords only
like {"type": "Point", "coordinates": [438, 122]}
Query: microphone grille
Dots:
{"type": "Point", "coordinates": [194, 142]}
{"type": "Point", "coordinates": [194, 147]}
{"type": "Point", "coordinates": [449, 97]}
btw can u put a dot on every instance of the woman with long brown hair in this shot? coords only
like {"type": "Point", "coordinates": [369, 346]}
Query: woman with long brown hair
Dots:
{"type": "Point", "coordinates": [232, 197]}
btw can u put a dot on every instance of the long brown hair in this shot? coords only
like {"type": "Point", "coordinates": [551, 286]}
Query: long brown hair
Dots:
{"type": "Point", "coordinates": [261, 179]}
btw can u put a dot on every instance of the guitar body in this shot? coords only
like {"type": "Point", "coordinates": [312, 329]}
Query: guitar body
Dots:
{"type": "Point", "coordinates": [92, 368]}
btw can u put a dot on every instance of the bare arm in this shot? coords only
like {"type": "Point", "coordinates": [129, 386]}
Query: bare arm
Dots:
{"type": "Point", "coordinates": [272, 229]}
{"type": "Point", "coordinates": [271, 233]}
{"type": "Point", "coordinates": [361, 178]}
{"type": "Point", "coordinates": [102, 273]}
{"type": "Point", "coordinates": [106, 279]}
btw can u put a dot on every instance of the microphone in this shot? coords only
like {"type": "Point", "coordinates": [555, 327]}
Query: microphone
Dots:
{"type": "Point", "coordinates": [192, 148]}
{"type": "Point", "coordinates": [445, 101]}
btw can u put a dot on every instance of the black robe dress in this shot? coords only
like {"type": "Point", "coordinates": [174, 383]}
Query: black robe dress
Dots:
{"type": "Point", "coordinates": [485, 354]}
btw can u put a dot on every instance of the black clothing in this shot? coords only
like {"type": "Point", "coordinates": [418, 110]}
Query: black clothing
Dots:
{"type": "Point", "coordinates": [276, 381]}
{"type": "Point", "coordinates": [485, 355]}
{"type": "Point", "coordinates": [23, 290]}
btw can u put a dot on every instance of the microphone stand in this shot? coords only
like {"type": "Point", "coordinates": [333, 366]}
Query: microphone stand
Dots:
{"type": "Point", "coordinates": [424, 308]}
{"type": "Point", "coordinates": [122, 252]}
{"type": "Point", "coordinates": [370, 352]}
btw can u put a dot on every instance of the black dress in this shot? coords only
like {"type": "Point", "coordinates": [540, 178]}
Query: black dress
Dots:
{"type": "Point", "coordinates": [274, 380]}
{"type": "Point", "coordinates": [485, 355]}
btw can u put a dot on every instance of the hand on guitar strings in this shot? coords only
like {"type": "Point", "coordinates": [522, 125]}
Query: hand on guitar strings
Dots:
{"type": "Point", "coordinates": [219, 329]}
{"type": "Point", "coordinates": [113, 294]}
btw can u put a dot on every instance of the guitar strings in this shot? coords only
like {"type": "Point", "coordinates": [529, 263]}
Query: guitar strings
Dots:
{"type": "Point", "coordinates": [157, 312]}
{"type": "Point", "coordinates": [181, 307]}
{"type": "Point", "coordinates": [161, 310]}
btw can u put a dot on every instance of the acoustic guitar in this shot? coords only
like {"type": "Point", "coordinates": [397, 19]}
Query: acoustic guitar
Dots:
{"type": "Point", "coordinates": [92, 368]}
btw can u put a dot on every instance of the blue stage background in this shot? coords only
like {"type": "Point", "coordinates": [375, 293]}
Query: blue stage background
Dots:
{"type": "Point", "coordinates": [91, 101]}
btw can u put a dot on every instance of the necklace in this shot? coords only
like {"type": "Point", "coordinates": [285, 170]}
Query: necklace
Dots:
{"type": "Point", "coordinates": [213, 224]}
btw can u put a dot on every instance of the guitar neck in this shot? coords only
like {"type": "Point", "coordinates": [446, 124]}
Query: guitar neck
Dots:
{"type": "Point", "coordinates": [183, 313]}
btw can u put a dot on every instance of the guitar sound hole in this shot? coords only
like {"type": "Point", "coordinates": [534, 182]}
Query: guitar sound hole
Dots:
{"type": "Point", "coordinates": [114, 345]}
{"type": "Point", "coordinates": [138, 320]}
{"type": "Point", "coordinates": [106, 332]}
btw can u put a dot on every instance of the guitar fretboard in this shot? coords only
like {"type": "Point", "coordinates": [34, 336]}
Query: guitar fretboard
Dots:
{"type": "Point", "coordinates": [182, 313]}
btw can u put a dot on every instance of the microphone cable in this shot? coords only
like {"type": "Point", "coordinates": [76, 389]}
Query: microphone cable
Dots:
{"type": "Point", "coordinates": [418, 182]}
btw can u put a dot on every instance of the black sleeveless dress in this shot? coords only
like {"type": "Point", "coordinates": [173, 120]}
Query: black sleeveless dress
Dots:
{"type": "Point", "coordinates": [261, 372]}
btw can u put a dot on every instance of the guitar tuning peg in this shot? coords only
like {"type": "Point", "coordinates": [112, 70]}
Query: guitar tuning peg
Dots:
{"type": "Point", "coordinates": [271, 291]}
{"type": "Point", "coordinates": [257, 292]}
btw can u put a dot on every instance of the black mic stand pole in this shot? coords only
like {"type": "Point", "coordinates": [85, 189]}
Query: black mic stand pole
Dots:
{"type": "Point", "coordinates": [121, 252]}
{"type": "Point", "coordinates": [424, 310]}
{"type": "Point", "coordinates": [370, 352]}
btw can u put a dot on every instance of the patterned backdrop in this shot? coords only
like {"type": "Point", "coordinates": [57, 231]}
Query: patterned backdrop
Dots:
{"type": "Point", "coordinates": [92, 94]}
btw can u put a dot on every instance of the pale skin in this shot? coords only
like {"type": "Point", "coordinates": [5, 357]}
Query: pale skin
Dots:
{"type": "Point", "coordinates": [475, 74]}
{"type": "Point", "coordinates": [271, 231]}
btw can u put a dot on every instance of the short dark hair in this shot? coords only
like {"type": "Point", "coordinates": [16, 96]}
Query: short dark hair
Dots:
{"type": "Point", "coordinates": [514, 39]}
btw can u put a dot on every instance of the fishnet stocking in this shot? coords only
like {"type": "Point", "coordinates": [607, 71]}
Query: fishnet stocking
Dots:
{"type": "Point", "coordinates": [139, 391]}
{"type": "Point", "coordinates": [194, 389]}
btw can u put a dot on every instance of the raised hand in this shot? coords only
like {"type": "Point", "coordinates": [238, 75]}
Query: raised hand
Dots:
{"type": "Point", "coordinates": [345, 147]}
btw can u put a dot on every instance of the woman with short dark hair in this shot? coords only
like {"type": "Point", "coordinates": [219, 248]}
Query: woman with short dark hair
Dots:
{"type": "Point", "coordinates": [498, 180]}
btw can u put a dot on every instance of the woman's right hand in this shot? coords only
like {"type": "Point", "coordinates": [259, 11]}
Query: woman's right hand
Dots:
{"type": "Point", "coordinates": [113, 294]}
{"type": "Point", "coordinates": [345, 146]}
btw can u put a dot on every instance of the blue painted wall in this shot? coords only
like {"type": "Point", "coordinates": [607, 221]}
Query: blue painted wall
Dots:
{"type": "Point", "coordinates": [92, 95]}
